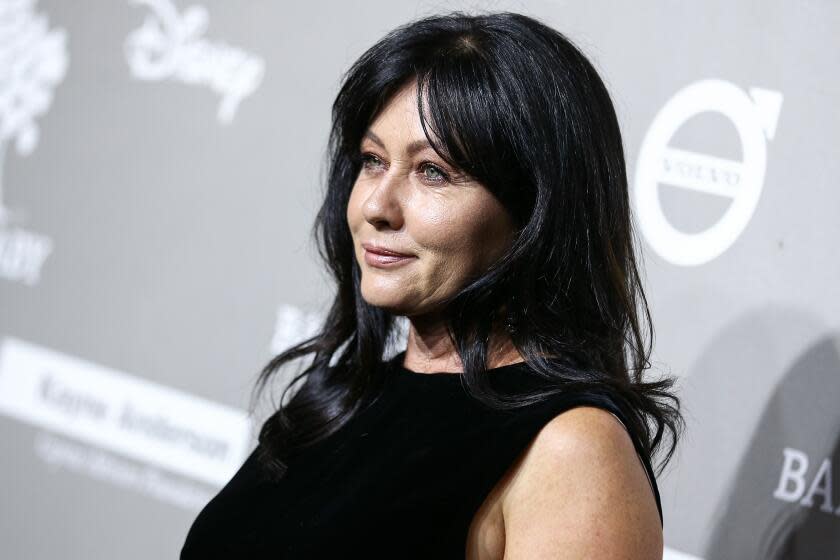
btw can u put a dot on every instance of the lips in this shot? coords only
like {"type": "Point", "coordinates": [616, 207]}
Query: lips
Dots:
{"type": "Point", "coordinates": [383, 251]}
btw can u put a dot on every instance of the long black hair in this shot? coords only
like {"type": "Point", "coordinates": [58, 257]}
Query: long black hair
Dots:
{"type": "Point", "coordinates": [516, 106]}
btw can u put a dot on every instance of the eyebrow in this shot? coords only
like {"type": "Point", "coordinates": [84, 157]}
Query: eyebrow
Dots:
{"type": "Point", "coordinates": [411, 149]}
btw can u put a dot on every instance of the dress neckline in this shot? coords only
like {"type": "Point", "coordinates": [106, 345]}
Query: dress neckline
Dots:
{"type": "Point", "coordinates": [397, 364]}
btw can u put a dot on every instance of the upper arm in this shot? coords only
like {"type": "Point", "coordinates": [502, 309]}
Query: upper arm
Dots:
{"type": "Point", "coordinates": [581, 492]}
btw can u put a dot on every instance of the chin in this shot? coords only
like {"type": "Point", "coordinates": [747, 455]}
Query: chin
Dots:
{"type": "Point", "coordinates": [392, 302]}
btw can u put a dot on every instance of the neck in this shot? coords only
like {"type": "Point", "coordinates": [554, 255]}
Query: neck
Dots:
{"type": "Point", "coordinates": [430, 349]}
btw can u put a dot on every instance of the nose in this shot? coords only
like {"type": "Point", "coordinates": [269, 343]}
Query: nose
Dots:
{"type": "Point", "coordinates": [384, 205]}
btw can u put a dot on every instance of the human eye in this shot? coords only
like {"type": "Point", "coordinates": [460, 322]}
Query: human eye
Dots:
{"type": "Point", "coordinates": [370, 161]}
{"type": "Point", "coordinates": [437, 177]}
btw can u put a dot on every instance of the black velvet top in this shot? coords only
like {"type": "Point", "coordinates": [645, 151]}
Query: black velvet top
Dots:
{"type": "Point", "coordinates": [403, 479]}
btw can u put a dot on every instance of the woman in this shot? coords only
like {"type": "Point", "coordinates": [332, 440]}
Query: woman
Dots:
{"type": "Point", "coordinates": [477, 186]}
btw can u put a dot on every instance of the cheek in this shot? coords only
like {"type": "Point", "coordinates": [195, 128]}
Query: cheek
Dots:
{"type": "Point", "coordinates": [437, 227]}
{"type": "Point", "coordinates": [467, 232]}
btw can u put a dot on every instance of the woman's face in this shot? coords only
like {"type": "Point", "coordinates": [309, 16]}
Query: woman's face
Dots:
{"type": "Point", "coordinates": [408, 200]}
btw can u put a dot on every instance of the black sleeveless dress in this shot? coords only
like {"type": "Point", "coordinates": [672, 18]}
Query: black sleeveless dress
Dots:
{"type": "Point", "coordinates": [403, 479]}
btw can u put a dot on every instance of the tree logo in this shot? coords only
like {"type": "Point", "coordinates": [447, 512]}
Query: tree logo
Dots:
{"type": "Point", "coordinates": [33, 61]}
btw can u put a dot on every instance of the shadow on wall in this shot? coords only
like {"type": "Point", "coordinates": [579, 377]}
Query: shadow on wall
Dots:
{"type": "Point", "coordinates": [778, 501]}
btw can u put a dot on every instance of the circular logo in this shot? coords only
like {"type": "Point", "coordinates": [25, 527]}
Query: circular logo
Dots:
{"type": "Point", "coordinates": [754, 120]}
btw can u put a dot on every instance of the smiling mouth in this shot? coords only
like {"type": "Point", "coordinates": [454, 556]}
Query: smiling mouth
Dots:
{"type": "Point", "coordinates": [383, 260]}
{"type": "Point", "coordinates": [383, 251]}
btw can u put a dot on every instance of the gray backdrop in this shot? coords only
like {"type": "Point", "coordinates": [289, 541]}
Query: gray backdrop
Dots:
{"type": "Point", "coordinates": [160, 168]}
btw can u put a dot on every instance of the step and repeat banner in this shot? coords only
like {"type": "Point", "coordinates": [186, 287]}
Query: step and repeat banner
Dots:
{"type": "Point", "coordinates": [160, 168]}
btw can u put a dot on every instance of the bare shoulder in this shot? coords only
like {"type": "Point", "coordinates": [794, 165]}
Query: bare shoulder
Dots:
{"type": "Point", "coordinates": [580, 491]}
